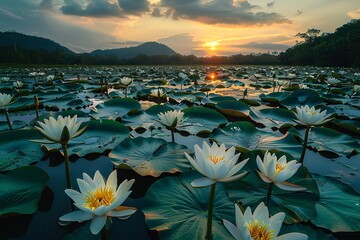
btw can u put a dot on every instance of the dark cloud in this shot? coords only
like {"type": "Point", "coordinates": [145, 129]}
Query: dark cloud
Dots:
{"type": "Point", "coordinates": [220, 12]}
{"type": "Point", "coordinates": [94, 8]}
{"type": "Point", "coordinates": [134, 7]}
{"type": "Point", "coordinates": [263, 46]}
{"type": "Point", "coordinates": [270, 4]}
{"type": "Point", "coordinates": [298, 12]}
{"type": "Point", "coordinates": [156, 12]}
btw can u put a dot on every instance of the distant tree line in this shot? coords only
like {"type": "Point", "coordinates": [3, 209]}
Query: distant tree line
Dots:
{"type": "Point", "coordinates": [338, 49]}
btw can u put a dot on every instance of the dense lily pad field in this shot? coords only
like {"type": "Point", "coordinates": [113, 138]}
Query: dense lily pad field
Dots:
{"type": "Point", "coordinates": [252, 109]}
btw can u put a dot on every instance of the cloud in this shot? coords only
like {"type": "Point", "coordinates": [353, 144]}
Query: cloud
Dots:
{"type": "Point", "coordinates": [298, 12]}
{"type": "Point", "coordinates": [270, 4]}
{"type": "Point", "coordinates": [94, 8]}
{"type": "Point", "coordinates": [354, 14]}
{"type": "Point", "coordinates": [156, 12]}
{"type": "Point", "coordinates": [183, 43]}
{"type": "Point", "coordinates": [263, 46]}
{"type": "Point", "coordinates": [6, 14]}
{"type": "Point", "coordinates": [134, 7]}
{"type": "Point", "coordinates": [223, 12]}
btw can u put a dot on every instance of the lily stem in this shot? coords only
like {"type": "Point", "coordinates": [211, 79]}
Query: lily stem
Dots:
{"type": "Point", "coordinates": [8, 119]}
{"type": "Point", "coordinates": [305, 144]}
{"type": "Point", "coordinates": [210, 212]}
{"type": "Point", "coordinates": [105, 232]}
{"type": "Point", "coordinates": [172, 135]}
{"type": "Point", "coordinates": [126, 91]}
{"type": "Point", "coordinates": [67, 166]}
{"type": "Point", "coordinates": [268, 195]}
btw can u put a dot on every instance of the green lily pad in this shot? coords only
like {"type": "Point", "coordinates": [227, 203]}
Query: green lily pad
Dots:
{"type": "Point", "coordinates": [302, 97]}
{"type": "Point", "coordinates": [338, 206]}
{"type": "Point", "coordinates": [251, 191]}
{"type": "Point", "coordinates": [245, 137]}
{"type": "Point", "coordinates": [21, 189]}
{"type": "Point", "coordinates": [212, 101]}
{"type": "Point", "coordinates": [150, 156]}
{"type": "Point", "coordinates": [14, 124]}
{"type": "Point", "coordinates": [99, 136]}
{"type": "Point", "coordinates": [273, 117]}
{"type": "Point", "coordinates": [325, 139]}
{"type": "Point", "coordinates": [16, 150]}
{"type": "Point", "coordinates": [275, 97]}
{"type": "Point", "coordinates": [201, 120]}
{"type": "Point", "coordinates": [115, 108]}
{"type": "Point", "coordinates": [233, 108]}
{"type": "Point", "coordinates": [178, 211]}
{"type": "Point", "coordinates": [141, 118]}
{"type": "Point", "coordinates": [317, 234]}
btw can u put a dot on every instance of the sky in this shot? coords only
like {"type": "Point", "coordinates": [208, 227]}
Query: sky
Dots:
{"type": "Point", "coordinates": [199, 27]}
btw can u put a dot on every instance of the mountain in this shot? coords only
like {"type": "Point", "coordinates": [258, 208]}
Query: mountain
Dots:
{"type": "Point", "coordinates": [340, 49]}
{"type": "Point", "coordinates": [22, 41]}
{"type": "Point", "coordinates": [148, 48]}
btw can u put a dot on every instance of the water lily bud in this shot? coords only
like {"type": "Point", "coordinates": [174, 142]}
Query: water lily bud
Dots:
{"type": "Point", "coordinates": [65, 135]}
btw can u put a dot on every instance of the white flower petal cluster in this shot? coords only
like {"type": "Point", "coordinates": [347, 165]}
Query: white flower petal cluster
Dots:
{"type": "Point", "coordinates": [52, 129]}
{"type": "Point", "coordinates": [332, 81]}
{"type": "Point", "coordinates": [311, 116]}
{"type": "Point", "coordinates": [277, 171]}
{"type": "Point", "coordinates": [172, 119]}
{"type": "Point", "coordinates": [216, 164]}
{"type": "Point", "coordinates": [182, 75]}
{"type": "Point", "coordinates": [157, 92]}
{"type": "Point", "coordinates": [98, 200]}
{"type": "Point", "coordinates": [5, 99]}
{"type": "Point", "coordinates": [259, 226]}
{"type": "Point", "coordinates": [126, 81]}
{"type": "Point", "coordinates": [50, 78]}
{"type": "Point", "coordinates": [18, 84]}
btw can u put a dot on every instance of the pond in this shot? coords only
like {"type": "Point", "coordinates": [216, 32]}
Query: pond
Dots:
{"type": "Point", "coordinates": [251, 108]}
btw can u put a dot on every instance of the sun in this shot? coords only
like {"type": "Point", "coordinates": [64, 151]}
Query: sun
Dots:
{"type": "Point", "coordinates": [211, 45]}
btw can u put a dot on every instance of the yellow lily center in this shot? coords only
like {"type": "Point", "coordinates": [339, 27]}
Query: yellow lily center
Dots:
{"type": "Point", "coordinates": [99, 197]}
{"type": "Point", "coordinates": [216, 159]}
{"type": "Point", "coordinates": [279, 167]}
{"type": "Point", "coordinates": [259, 232]}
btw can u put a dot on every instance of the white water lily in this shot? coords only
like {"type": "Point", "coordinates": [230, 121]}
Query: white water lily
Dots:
{"type": "Point", "coordinates": [277, 171]}
{"type": "Point", "coordinates": [216, 163]}
{"type": "Point", "coordinates": [126, 81]}
{"type": "Point", "coordinates": [259, 226]}
{"type": "Point", "coordinates": [182, 75]}
{"type": "Point", "coordinates": [53, 129]}
{"type": "Point", "coordinates": [4, 79]}
{"type": "Point", "coordinates": [172, 119]}
{"type": "Point", "coordinates": [281, 82]}
{"type": "Point", "coordinates": [50, 78]}
{"type": "Point", "coordinates": [98, 200]}
{"type": "Point", "coordinates": [5, 99]}
{"type": "Point", "coordinates": [355, 88]}
{"type": "Point", "coordinates": [18, 84]}
{"type": "Point", "coordinates": [157, 92]}
{"type": "Point", "coordinates": [311, 116]}
{"type": "Point", "coordinates": [332, 81]}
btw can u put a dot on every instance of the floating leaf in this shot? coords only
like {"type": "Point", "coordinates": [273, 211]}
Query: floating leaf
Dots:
{"type": "Point", "coordinates": [273, 117]}
{"type": "Point", "coordinates": [178, 211]}
{"type": "Point", "coordinates": [21, 189]}
{"type": "Point", "coordinates": [338, 206]}
{"type": "Point", "coordinates": [245, 136]}
{"type": "Point", "coordinates": [150, 156]}
{"type": "Point", "coordinates": [233, 108]}
{"type": "Point", "coordinates": [302, 97]}
{"type": "Point", "coordinates": [115, 108]}
{"type": "Point", "coordinates": [16, 150]}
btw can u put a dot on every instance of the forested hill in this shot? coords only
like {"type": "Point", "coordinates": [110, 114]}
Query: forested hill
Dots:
{"type": "Point", "coordinates": [341, 48]}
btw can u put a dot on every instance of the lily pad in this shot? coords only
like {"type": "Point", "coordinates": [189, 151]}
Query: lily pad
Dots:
{"type": "Point", "coordinates": [21, 189]}
{"type": "Point", "coordinates": [338, 206]}
{"type": "Point", "coordinates": [178, 211]}
{"type": "Point", "coordinates": [115, 108]}
{"type": "Point", "coordinates": [251, 191]}
{"type": "Point", "coordinates": [302, 97]}
{"type": "Point", "coordinates": [328, 140]}
{"type": "Point", "coordinates": [275, 97]}
{"type": "Point", "coordinates": [150, 156]}
{"type": "Point", "coordinates": [233, 108]}
{"type": "Point", "coordinates": [246, 137]}
{"type": "Point", "coordinates": [273, 117]}
{"type": "Point", "coordinates": [99, 136]}
{"type": "Point", "coordinates": [16, 150]}
{"type": "Point", "coordinates": [201, 120]}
